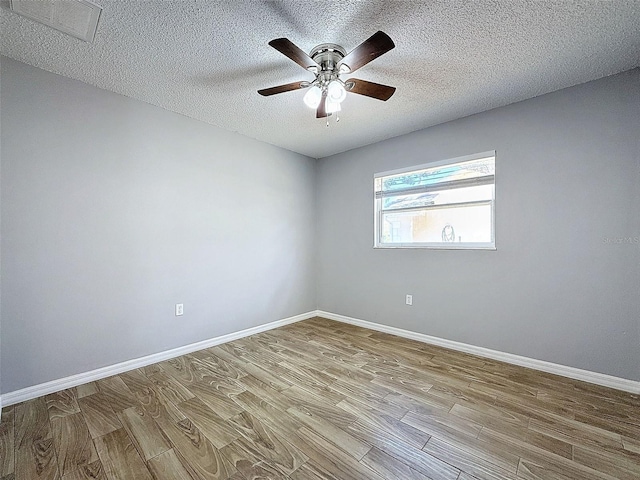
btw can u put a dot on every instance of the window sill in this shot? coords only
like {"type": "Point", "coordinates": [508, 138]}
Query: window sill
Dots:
{"type": "Point", "coordinates": [435, 247]}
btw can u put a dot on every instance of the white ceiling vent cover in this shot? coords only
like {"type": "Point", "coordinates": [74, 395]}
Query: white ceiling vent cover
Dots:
{"type": "Point", "coordinates": [78, 18]}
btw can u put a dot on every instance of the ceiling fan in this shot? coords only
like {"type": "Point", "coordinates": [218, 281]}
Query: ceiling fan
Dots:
{"type": "Point", "coordinates": [328, 62]}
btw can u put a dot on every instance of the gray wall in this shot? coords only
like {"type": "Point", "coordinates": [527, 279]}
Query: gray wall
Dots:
{"type": "Point", "coordinates": [114, 210]}
{"type": "Point", "coordinates": [568, 178]}
{"type": "Point", "coordinates": [0, 240]}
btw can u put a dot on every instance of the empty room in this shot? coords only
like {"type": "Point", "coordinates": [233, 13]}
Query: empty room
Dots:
{"type": "Point", "coordinates": [320, 239]}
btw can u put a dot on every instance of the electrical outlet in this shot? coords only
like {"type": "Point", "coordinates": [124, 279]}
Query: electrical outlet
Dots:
{"type": "Point", "coordinates": [409, 300]}
{"type": "Point", "coordinates": [179, 309]}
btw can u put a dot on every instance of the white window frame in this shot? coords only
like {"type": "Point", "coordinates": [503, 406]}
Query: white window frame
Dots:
{"type": "Point", "coordinates": [377, 203]}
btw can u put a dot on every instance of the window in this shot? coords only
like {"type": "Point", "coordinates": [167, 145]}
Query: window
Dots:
{"type": "Point", "coordinates": [448, 204]}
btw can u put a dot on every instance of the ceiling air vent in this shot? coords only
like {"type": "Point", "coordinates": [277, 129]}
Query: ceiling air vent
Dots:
{"type": "Point", "coordinates": [78, 18]}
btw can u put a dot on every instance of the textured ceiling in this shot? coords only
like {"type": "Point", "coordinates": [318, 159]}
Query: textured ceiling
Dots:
{"type": "Point", "coordinates": [207, 59]}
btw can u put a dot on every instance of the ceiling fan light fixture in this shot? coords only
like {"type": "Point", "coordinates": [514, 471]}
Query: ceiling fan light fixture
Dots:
{"type": "Point", "coordinates": [333, 107]}
{"type": "Point", "coordinates": [312, 97]}
{"type": "Point", "coordinates": [336, 92]}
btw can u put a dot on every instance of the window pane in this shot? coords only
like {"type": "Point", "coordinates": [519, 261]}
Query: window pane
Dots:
{"type": "Point", "coordinates": [430, 176]}
{"type": "Point", "coordinates": [439, 204]}
{"type": "Point", "coordinates": [456, 195]}
{"type": "Point", "coordinates": [468, 224]}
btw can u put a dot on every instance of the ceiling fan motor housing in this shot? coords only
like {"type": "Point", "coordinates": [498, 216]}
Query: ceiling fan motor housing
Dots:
{"type": "Point", "coordinates": [328, 56]}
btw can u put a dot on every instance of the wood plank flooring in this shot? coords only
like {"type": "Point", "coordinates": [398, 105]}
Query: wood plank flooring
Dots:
{"type": "Point", "coordinates": [324, 400]}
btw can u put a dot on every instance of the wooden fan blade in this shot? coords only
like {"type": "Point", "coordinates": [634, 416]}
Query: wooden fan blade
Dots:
{"type": "Point", "coordinates": [376, 45]}
{"type": "Point", "coordinates": [265, 92]}
{"type": "Point", "coordinates": [322, 108]}
{"type": "Point", "coordinates": [371, 89]}
{"type": "Point", "coordinates": [289, 49]}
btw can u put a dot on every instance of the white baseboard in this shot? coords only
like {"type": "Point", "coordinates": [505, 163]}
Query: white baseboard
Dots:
{"type": "Point", "coordinates": [35, 391]}
{"type": "Point", "coordinates": [570, 372]}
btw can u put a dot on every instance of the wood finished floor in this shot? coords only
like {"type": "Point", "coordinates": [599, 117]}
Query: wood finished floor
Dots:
{"type": "Point", "coordinates": [324, 400]}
